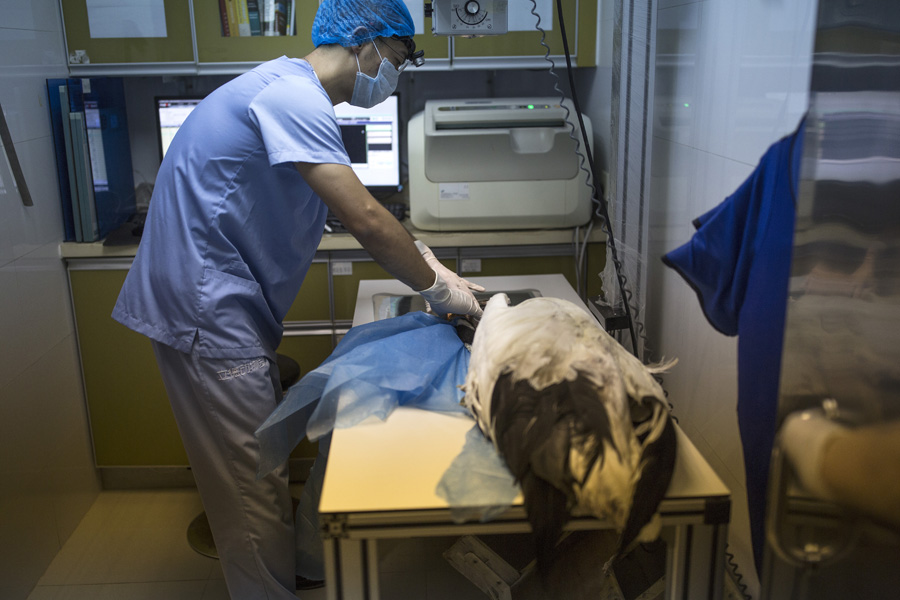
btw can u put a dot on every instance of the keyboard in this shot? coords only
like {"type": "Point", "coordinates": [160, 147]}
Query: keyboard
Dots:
{"type": "Point", "coordinates": [398, 209]}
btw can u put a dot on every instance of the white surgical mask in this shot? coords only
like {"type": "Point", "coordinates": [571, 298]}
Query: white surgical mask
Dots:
{"type": "Point", "coordinates": [369, 91]}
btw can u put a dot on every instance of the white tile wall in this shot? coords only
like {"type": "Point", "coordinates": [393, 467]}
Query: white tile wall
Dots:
{"type": "Point", "coordinates": [47, 479]}
{"type": "Point", "coordinates": [731, 79]}
{"type": "Point", "coordinates": [594, 86]}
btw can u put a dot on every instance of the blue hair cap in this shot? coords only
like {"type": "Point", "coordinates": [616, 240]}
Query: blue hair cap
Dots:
{"type": "Point", "coordinates": [355, 22]}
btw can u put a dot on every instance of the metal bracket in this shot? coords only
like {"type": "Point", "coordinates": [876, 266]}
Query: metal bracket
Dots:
{"type": "Point", "coordinates": [612, 319]}
{"type": "Point", "coordinates": [335, 526]}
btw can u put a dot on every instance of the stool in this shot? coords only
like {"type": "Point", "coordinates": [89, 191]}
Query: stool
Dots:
{"type": "Point", "coordinates": [288, 371]}
{"type": "Point", "coordinates": [199, 534]}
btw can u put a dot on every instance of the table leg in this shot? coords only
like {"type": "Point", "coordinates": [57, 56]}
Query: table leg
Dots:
{"type": "Point", "coordinates": [351, 569]}
{"type": "Point", "coordinates": [695, 561]}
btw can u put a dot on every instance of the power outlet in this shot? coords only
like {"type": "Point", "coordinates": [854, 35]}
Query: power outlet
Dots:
{"type": "Point", "coordinates": [342, 268]}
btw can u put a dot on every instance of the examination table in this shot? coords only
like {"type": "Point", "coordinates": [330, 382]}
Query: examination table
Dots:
{"type": "Point", "coordinates": [376, 488]}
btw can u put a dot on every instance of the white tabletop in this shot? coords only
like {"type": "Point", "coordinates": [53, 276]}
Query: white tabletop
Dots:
{"type": "Point", "coordinates": [395, 465]}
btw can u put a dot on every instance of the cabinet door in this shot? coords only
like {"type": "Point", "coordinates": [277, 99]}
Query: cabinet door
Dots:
{"type": "Point", "coordinates": [176, 46]}
{"type": "Point", "coordinates": [131, 420]}
{"type": "Point", "coordinates": [347, 273]}
{"type": "Point", "coordinates": [581, 29]}
{"type": "Point", "coordinates": [313, 302]}
{"type": "Point", "coordinates": [214, 47]}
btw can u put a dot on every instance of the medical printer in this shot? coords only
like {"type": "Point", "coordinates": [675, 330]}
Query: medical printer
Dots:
{"type": "Point", "coordinates": [498, 163]}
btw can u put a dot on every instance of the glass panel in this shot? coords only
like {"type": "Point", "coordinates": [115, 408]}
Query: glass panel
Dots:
{"type": "Point", "coordinates": [175, 47]}
{"type": "Point", "coordinates": [213, 46]}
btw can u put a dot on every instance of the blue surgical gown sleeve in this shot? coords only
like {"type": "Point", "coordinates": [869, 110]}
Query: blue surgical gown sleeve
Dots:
{"type": "Point", "coordinates": [296, 121]}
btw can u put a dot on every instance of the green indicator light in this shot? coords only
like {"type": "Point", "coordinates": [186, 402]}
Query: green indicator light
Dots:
{"type": "Point", "coordinates": [531, 106]}
{"type": "Point", "coordinates": [686, 105]}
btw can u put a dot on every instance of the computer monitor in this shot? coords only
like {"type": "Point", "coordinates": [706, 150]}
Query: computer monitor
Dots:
{"type": "Point", "coordinates": [372, 140]}
{"type": "Point", "coordinates": [371, 136]}
{"type": "Point", "coordinates": [171, 111]}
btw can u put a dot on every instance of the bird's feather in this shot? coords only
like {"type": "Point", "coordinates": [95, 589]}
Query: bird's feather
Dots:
{"type": "Point", "coordinates": [556, 394]}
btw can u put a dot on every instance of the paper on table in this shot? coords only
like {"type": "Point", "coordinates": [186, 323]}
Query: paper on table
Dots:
{"type": "Point", "coordinates": [126, 18]}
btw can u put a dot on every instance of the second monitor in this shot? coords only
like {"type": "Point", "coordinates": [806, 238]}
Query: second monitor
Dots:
{"type": "Point", "coordinates": [371, 136]}
{"type": "Point", "coordinates": [372, 140]}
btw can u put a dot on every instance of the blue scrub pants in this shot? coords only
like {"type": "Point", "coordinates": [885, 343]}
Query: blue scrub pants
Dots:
{"type": "Point", "coordinates": [218, 404]}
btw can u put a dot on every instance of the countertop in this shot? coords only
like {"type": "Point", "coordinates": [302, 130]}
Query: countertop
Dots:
{"type": "Point", "coordinates": [345, 241]}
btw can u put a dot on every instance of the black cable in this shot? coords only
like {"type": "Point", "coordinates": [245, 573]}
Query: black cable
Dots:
{"type": "Point", "coordinates": [579, 246]}
{"type": "Point", "coordinates": [606, 222]}
{"type": "Point", "coordinates": [738, 579]}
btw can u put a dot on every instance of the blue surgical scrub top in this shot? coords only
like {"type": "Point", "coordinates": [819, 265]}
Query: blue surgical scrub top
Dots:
{"type": "Point", "coordinates": [738, 262]}
{"type": "Point", "coordinates": [232, 226]}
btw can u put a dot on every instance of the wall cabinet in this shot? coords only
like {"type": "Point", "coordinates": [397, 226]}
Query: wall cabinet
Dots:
{"type": "Point", "coordinates": [83, 47]}
{"type": "Point", "coordinates": [194, 44]}
{"type": "Point", "coordinates": [213, 47]}
{"type": "Point", "coordinates": [131, 421]}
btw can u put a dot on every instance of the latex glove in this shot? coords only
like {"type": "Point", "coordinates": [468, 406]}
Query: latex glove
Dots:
{"type": "Point", "coordinates": [454, 281]}
{"type": "Point", "coordinates": [445, 300]}
{"type": "Point", "coordinates": [805, 436]}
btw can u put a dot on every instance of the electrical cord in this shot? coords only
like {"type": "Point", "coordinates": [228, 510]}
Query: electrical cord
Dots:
{"type": "Point", "coordinates": [602, 210]}
{"type": "Point", "coordinates": [579, 244]}
{"type": "Point", "coordinates": [732, 566]}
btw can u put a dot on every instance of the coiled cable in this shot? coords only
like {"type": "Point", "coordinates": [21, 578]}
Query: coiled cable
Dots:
{"type": "Point", "coordinates": [602, 210]}
{"type": "Point", "coordinates": [732, 566]}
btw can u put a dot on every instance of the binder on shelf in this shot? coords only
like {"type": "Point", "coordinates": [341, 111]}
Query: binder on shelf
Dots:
{"type": "Point", "coordinates": [232, 17]}
{"type": "Point", "coordinates": [83, 175]}
{"type": "Point", "coordinates": [243, 17]}
{"type": "Point", "coordinates": [223, 18]}
{"type": "Point", "coordinates": [253, 14]}
{"type": "Point", "coordinates": [93, 155]}
{"type": "Point", "coordinates": [58, 100]}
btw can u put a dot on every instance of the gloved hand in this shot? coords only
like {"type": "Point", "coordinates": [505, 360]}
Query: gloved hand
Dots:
{"type": "Point", "coordinates": [454, 281]}
{"type": "Point", "coordinates": [445, 300]}
{"type": "Point", "coordinates": [805, 436]}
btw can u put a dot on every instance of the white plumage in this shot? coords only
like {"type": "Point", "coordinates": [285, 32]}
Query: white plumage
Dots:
{"type": "Point", "coordinates": [581, 423]}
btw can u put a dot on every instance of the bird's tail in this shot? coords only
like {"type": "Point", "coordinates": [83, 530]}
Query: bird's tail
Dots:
{"type": "Point", "coordinates": [548, 512]}
{"type": "Point", "coordinates": [658, 447]}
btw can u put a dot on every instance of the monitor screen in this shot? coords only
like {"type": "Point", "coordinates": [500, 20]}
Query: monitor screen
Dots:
{"type": "Point", "coordinates": [170, 114]}
{"type": "Point", "coordinates": [371, 136]}
{"type": "Point", "coordinates": [372, 140]}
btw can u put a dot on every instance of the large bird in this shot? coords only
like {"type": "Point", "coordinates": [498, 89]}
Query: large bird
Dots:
{"type": "Point", "coordinates": [581, 423]}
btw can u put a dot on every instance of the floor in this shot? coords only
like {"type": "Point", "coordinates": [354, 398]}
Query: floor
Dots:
{"type": "Point", "coordinates": [132, 545]}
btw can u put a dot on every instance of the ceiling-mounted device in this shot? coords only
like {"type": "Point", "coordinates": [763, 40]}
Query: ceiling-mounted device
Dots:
{"type": "Point", "coordinates": [469, 17]}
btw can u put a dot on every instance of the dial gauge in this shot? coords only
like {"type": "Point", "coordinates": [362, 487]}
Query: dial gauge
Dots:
{"type": "Point", "coordinates": [470, 12]}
